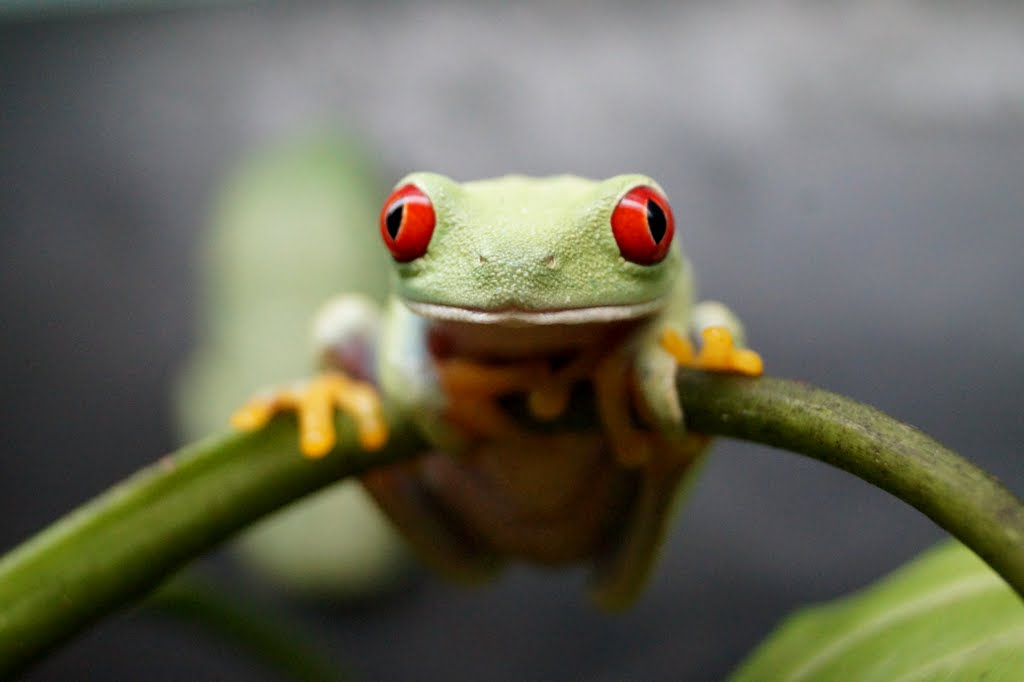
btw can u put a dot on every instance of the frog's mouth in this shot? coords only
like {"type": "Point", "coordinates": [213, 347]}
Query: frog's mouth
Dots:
{"type": "Point", "coordinates": [518, 317]}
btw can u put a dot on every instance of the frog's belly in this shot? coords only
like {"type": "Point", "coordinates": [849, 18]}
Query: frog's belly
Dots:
{"type": "Point", "coordinates": [551, 495]}
{"type": "Point", "coordinates": [549, 498]}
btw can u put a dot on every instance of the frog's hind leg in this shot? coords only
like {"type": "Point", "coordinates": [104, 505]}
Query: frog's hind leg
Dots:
{"type": "Point", "coordinates": [433, 533]}
{"type": "Point", "coordinates": [622, 571]}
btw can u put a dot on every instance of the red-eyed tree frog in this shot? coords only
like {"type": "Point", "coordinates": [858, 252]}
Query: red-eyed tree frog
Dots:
{"type": "Point", "coordinates": [515, 298]}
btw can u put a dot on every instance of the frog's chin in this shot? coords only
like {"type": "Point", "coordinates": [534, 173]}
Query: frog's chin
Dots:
{"type": "Point", "coordinates": [517, 317]}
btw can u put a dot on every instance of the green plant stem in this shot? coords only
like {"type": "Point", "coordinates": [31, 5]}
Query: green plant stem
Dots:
{"type": "Point", "coordinates": [961, 498]}
{"type": "Point", "coordinates": [125, 542]}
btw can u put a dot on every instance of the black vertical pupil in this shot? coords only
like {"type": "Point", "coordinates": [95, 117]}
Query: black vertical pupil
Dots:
{"type": "Point", "coordinates": [393, 220]}
{"type": "Point", "coordinates": [656, 221]}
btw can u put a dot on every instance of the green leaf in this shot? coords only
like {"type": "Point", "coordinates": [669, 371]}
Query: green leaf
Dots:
{"type": "Point", "coordinates": [945, 616]}
{"type": "Point", "coordinates": [293, 226]}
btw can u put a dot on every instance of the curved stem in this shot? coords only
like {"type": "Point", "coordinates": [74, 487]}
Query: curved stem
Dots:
{"type": "Point", "coordinates": [281, 646]}
{"type": "Point", "coordinates": [961, 498]}
{"type": "Point", "coordinates": [125, 542]}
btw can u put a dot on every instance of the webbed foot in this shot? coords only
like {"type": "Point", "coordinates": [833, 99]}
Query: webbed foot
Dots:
{"type": "Point", "coordinates": [314, 402]}
{"type": "Point", "coordinates": [718, 353]}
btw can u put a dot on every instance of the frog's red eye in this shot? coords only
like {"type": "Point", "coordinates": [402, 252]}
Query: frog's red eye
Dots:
{"type": "Point", "coordinates": [406, 223]}
{"type": "Point", "coordinates": [643, 226]}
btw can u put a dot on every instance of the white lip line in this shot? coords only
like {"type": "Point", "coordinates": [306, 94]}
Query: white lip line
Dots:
{"type": "Point", "coordinates": [606, 313]}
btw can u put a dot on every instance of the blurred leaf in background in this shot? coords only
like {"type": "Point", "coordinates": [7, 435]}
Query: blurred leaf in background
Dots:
{"type": "Point", "coordinates": [944, 616]}
{"type": "Point", "coordinates": [293, 227]}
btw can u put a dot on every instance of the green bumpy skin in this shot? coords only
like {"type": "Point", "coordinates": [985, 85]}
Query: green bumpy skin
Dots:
{"type": "Point", "coordinates": [530, 243]}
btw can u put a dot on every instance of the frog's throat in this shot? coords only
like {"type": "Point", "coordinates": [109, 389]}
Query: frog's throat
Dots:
{"type": "Point", "coordinates": [514, 317]}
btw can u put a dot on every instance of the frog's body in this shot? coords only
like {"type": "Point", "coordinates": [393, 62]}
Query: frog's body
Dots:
{"type": "Point", "coordinates": [533, 335]}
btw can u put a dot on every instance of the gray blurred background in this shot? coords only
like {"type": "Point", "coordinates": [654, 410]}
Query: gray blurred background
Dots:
{"type": "Point", "coordinates": [849, 177]}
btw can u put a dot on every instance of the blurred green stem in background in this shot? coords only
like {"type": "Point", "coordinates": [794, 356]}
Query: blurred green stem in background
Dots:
{"type": "Point", "coordinates": [125, 542]}
{"type": "Point", "coordinates": [256, 632]}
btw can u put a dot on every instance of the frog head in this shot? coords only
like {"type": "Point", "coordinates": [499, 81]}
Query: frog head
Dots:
{"type": "Point", "coordinates": [514, 249]}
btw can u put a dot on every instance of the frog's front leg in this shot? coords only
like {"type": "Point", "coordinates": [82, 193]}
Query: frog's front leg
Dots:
{"type": "Point", "coordinates": [722, 336]}
{"type": "Point", "coordinates": [666, 346]}
{"type": "Point", "coordinates": [345, 334]}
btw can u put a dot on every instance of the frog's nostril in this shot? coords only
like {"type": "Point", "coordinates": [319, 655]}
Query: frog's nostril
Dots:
{"type": "Point", "coordinates": [550, 261]}
{"type": "Point", "coordinates": [483, 258]}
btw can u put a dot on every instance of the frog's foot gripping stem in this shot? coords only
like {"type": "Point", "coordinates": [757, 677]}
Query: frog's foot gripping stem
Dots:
{"type": "Point", "coordinates": [314, 402]}
{"type": "Point", "coordinates": [718, 354]}
{"type": "Point", "coordinates": [664, 445]}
